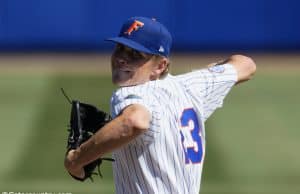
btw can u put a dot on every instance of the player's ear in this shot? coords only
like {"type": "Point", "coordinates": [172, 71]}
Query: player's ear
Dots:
{"type": "Point", "coordinates": [161, 64]}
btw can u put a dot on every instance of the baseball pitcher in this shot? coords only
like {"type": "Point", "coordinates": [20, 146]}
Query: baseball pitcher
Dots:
{"type": "Point", "coordinates": [157, 131]}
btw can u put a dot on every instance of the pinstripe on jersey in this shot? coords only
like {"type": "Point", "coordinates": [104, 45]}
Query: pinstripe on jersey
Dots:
{"type": "Point", "coordinates": [162, 159]}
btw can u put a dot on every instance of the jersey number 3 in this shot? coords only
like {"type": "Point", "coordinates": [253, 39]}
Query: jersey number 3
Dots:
{"type": "Point", "coordinates": [191, 136]}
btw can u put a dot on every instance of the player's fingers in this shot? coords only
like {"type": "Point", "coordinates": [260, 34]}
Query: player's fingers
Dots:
{"type": "Point", "coordinates": [70, 160]}
{"type": "Point", "coordinates": [71, 166]}
{"type": "Point", "coordinates": [79, 173]}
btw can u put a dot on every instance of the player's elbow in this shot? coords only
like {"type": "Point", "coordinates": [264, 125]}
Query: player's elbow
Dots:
{"type": "Point", "coordinates": [245, 67]}
{"type": "Point", "coordinates": [136, 120]}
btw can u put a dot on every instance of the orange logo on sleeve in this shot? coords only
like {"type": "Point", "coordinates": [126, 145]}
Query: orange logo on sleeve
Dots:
{"type": "Point", "coordinates": [134, 27]}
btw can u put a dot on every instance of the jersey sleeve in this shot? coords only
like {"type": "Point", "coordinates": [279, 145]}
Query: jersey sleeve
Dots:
{"type": "Point", "coordinates": [129, 99]}
{"type": "Point", "coordinates": [210, 86]}
{"type": "Point", "coordinates": [129, 96]}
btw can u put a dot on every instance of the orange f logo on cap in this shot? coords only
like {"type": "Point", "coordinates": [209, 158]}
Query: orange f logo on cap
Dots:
{"type": "Point", "coordinates": [134, 27]}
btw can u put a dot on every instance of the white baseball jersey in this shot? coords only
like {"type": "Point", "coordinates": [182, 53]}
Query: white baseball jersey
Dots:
{"type": "Point", "coordinates": [168, 157]}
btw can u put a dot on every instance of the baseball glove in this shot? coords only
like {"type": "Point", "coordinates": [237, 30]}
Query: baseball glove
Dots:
{"type": "Point", "coordinates": [85, 121]}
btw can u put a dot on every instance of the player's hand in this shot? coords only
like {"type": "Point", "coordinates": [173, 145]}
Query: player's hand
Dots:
{"type": "Point", "coordinates": [71, 166]}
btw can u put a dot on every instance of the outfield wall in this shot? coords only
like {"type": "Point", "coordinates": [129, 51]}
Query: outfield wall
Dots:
{"type": "Point", "coordinates": [195, 25]}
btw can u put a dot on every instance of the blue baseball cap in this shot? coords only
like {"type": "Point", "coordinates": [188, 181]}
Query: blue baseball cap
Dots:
{"type": "Point", "coordinates": [145, 35]}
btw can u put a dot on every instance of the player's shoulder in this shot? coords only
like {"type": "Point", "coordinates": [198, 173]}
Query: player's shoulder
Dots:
{"type": "Point", "coordinates": [137, 92]}
{"type": "Point", "coordinates": [145, 88]}
{"type": "Point", "coordinates": [150, 89]}
{"type": "Point", "coordinates": [137, 89]}
{"type": "Point", "coordinates": [208, 72]}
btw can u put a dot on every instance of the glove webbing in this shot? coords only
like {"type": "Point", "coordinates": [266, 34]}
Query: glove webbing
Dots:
{"type": "Point", "coordinates": [79, 125]}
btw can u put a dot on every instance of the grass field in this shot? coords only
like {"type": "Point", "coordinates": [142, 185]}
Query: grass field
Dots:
{"type": "Point", "coordinates": [253, 140]}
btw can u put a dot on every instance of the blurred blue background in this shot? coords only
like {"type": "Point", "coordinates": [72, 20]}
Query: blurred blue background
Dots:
{"type": "Point", "coordinates": [195, 25]}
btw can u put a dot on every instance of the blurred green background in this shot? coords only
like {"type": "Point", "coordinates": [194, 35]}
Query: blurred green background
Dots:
{"type": "Point", "coordinates": [252, 142]}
